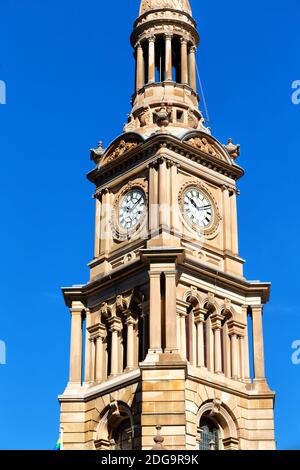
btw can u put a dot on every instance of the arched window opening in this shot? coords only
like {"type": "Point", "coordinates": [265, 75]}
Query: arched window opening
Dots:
{"type": "Point", "coordinates": [145, 47]}
{"type": "Point", "coordinates": [176, 59]}
{"type": "Point", "coordinates": [122, 436]}
{"type": "Point", "coordinates": [188, 329]}
{"type": "Point", "coordinates": [209, 435]}
{"type": "Point", "coordinates": [160, 59]}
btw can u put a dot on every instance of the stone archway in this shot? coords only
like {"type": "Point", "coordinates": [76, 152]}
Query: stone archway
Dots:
{"type": "Point", "coordinates": [221, 415]}
{"type": "Point", "coordinates": [113, 418]}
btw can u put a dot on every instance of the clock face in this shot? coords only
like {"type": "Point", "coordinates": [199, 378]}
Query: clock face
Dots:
{"type": "Point", "coordinates": [132, 208]}
{"type": "Point", "coordinates": [197, 208]}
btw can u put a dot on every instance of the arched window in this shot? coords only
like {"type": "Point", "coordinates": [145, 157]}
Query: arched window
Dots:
{"type": "Point", "coordinates": [209, 435]}
{"type": "Point", "coordinates": [122, 436]}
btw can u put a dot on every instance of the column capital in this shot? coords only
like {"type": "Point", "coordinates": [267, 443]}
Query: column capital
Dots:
{"type": "Point", "coordinates": [216, 321]}
{"type": "Point", "coordinates": [257, 308]}
{"type": "Point", "coordinates": [130, 321]}
{"type": "Point", "coordinates": [77, 308]}
{"type": "Point", "coordinates": [199, 315]}
{"type": "Point", "coordinates": [97, 331]}
{"type": "Point", "coordinates": [138, 45]}
{"type": "Point", "coordinates": [193, 49]}
{"type": "Point", "coordinates": [236, 328]}
{"type": "Point", "coordinates": [151, 38]}
{"type": "Point", "coordinates": [168, 35]}
{"type": "Point", "coordinates": [183, 40]}
{"type": "Point", "coordinates": [115, 324]}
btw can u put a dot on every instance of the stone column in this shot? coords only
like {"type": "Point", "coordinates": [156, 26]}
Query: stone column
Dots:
{"type": "Point", "coordinates": [151, 63]}
{"type": "Point", "coordinates": [235, 362]}
{"type": "Point", "coordinates": [88, 350]}
{"type": "Point", "coordinates": [183, 335]}
{"type": "Point", "coordinates": [140, 67]}
{"type": "Point", "coordinates": [246, 345]}
{"type": "Point", "coordinates": [130, 322]}
{"type": "Point", "coordinates": [217, 326]}
{"type": "Point", "coordinates": [145, 317]}
{"type": "Point", "coordinates": [227, 351]}
{"type": "Point", "coordinates": [115, 329]}
{"type": "Point", "coordinates": [227, 229]}
{"type": "Point", "coordinates": [164, 209]}
{"type": "Point", "coordinates": [234, 225]}
{"type": "Point", "coordinates": [170, 312]}
{"type": "Point", "coordinates": [155, 311]}
{"type": "Point", "coordinates": [106, 236]}
{"type": "Point", "coordinates": [258, 343]}
{"type": "Point", "coordinates": [209, 346]}
{"type": "Point", "coordinates": [97, 249]}
{"type": "Point", "coordinates": [76, 343]}
{"type": "Point", "coordinates": [184, 61]}
{"type": "Point", "coordinates": [99, 373]}
{"type": "Point", "coordinates": [168, 66]}
{"type": "Point", "coordinates": [153, 199]}
{"type": "Point", "coordinates": [199, 321]}
{"type": "Point", "coordinates": [192, 67]}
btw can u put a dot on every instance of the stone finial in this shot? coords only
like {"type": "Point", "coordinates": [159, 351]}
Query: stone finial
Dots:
{"type": "Point", "coordinates": [233, 150]}
{"type": "Point", "coordinates": [97, 153]}
{"type": "Point", "coordinates": [158, 439]}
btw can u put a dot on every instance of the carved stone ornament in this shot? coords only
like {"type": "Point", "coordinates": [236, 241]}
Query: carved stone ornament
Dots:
{"type": "Point", "coordinates": [97, 153]}
{"type": "Point", "coordinates": [145, 118]}
{"type": "Point", "coordinates": [162, 116]}
{"type": "Point", "coordinates": [121, 149]}
{"type": "Point", "coordinates": [131, 124]}
{"type": "Point", "coordinates": [233, 150]}
{"type": "Point", "coordinates": [202, 143]}
{"type": "Point", "coordinates": [211, 231]}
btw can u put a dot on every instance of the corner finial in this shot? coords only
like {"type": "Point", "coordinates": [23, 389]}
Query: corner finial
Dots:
{"type": "Point", "coordinates": [158, 439]}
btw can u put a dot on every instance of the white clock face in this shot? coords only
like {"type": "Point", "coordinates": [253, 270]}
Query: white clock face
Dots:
{"type": "Point", "coordinates": [132, 208]}
{"type": "Point", "coordinates": [197, 208]}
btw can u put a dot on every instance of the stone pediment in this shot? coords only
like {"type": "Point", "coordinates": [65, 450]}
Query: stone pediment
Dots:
{"type": "Point", "coordinates": [120, 147]}
{"type": "Point", "coordinates": [206, 144]}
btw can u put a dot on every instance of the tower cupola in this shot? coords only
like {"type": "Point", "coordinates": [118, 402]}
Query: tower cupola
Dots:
{"type": "Point", "coordinates": [165, 42]}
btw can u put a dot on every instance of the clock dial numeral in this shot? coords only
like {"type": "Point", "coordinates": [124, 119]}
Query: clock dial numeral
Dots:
{"type": "Point", "coordinates": [131, 209]}
{"type": "Point", "coordinates": [197, 208]}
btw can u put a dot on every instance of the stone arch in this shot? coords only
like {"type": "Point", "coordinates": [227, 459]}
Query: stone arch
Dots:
{"type": "Point", "coordinates": [219, 413]}
{"type": "Point", "coordinates": [193, 297]}
{"type": "Point", "coordinates": [210, 304]}
{"type": "Point", "coordinates": [109, 419]}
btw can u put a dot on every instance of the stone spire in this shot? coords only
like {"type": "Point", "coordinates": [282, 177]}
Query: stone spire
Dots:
{"type": "Point", "coordinates": [165, 41]}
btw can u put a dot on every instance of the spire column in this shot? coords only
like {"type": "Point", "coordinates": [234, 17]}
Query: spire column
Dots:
{"type": "Point", "coordinates": [192, 67]}
{"type": "Point", "coordinates": [140, 75]}
{"type": "Point", "coordinates": [184, 61]}
{"type": "Point", "coordinates": [168, 39]}
{"type": "Point", "coordinates": [151, 63]}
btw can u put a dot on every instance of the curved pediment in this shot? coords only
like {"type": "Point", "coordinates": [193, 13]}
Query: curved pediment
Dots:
{"type": "Point", "coordinates": [205, 143]}
{"type": "Point", "coordinates": [120, 147]}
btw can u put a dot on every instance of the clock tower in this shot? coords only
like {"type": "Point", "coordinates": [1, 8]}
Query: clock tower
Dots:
{"type": "Point", "coordinates": [164, 333]}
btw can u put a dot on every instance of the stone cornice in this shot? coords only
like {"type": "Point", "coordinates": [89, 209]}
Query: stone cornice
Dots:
{"type": "Point", "coordinates": [110, 386]}
{"type": "Point", "coordinates": [146, 152]}
{"type": "Point", "coordinates": [237, 284]}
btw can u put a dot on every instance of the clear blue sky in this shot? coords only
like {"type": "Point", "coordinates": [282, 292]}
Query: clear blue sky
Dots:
{"type": "Point", "coordinates": [69, 72]}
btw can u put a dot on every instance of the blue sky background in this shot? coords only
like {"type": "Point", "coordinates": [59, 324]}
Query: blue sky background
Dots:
{"type": "Point", "coordinates": [69, 72]}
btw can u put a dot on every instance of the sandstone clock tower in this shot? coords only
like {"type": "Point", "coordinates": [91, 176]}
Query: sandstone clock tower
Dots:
{"type": "Point", "coordinates": [161, 333]}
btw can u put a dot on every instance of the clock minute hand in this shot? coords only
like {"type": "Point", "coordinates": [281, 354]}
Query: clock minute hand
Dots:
{"type": "Point", "coordinates": [204, 208]}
